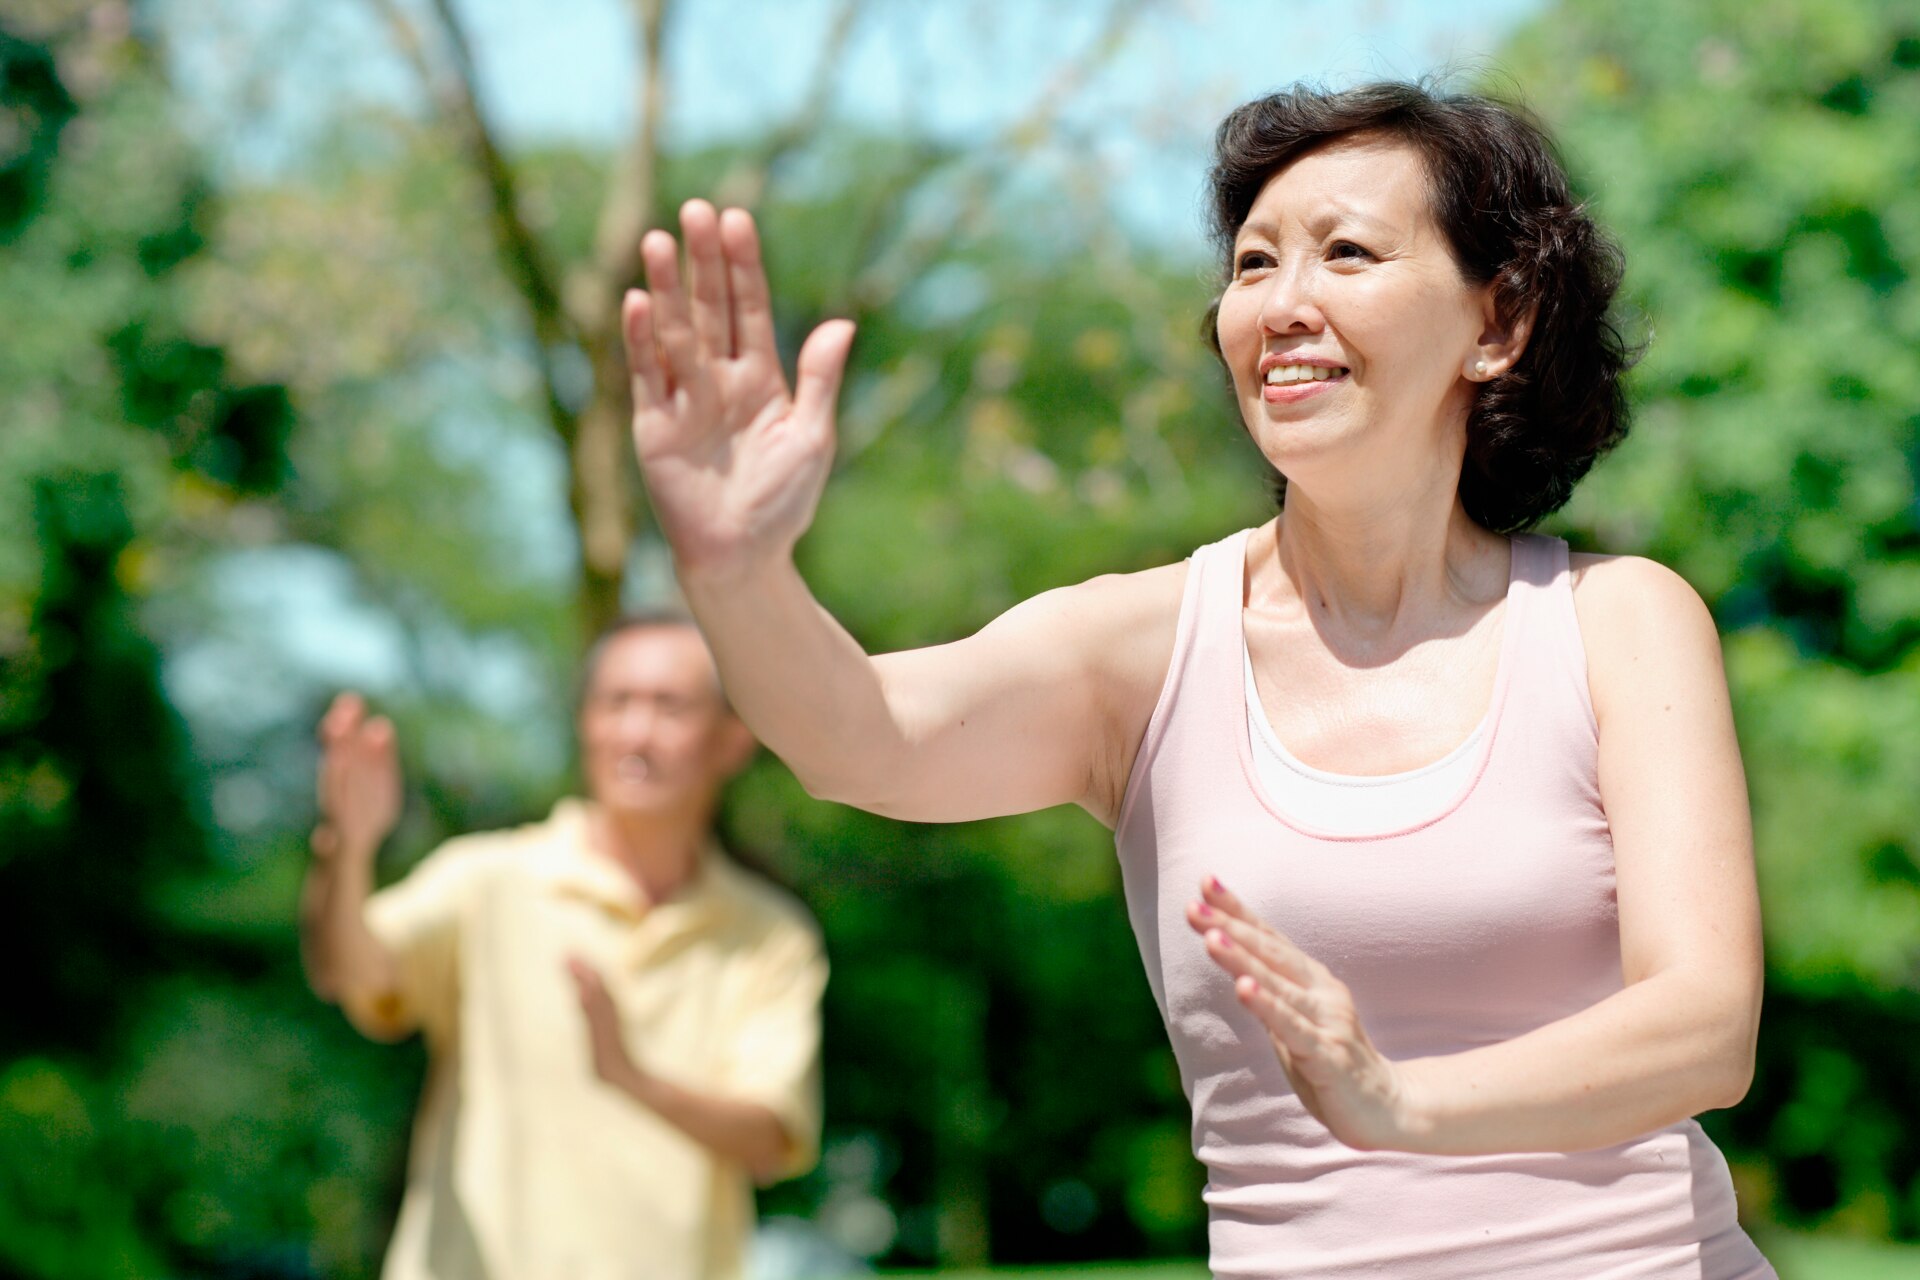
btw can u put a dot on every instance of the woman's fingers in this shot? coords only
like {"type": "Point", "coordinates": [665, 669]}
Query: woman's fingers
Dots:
{"type": "Point", "coordinates": [1286, 1009]}
{"type": "Point", "coordinates": [1241, 962]}
{"type": "Point", "coordinates": [672, 321]}
{"type": "Point", "coordinates": [1217, 895]}
{"type": "Point", "coordinates": [823, 361]}
{"type": "Point", "coordinates": [1295, 1036]}
{"type": "Point", "coordinates": [646, 375]}
{"type": "Point", "coordinates": [1272, 947]}
{"type": "Point", "coordinates": [747, 285]}
{"type": "Point", "coordinates": [1219, 907]}
{"type": "Point", "coordinates": [707, 280]}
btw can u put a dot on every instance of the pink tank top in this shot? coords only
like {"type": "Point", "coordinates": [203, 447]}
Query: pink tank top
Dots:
{"type": "Point", "coordinates": [1490, 917]}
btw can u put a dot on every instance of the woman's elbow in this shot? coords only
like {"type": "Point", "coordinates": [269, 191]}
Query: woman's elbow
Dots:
{"type": "Point", "coordinates": [1734, 1064]}
{"type": "Point", "coordinates": [872, 789]}
{"type": "Point", "coordinates": [854, 791]}
{"type": "Point", "coordinates": [1735, 1079]}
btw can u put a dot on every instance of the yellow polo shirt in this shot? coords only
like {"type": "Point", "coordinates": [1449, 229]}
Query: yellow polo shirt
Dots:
{"type": "Point", "coordinates": [524, 1165]}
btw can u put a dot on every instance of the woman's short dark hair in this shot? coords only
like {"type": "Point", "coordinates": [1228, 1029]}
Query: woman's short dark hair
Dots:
{"type": "Point", "coordinates": [1502, 199]}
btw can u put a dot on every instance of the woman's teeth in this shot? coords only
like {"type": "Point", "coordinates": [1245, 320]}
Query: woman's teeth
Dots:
{"type": "Point", "coordinates": [631, 767]}
{"type": "Point", "coordinates": [1282, 374]}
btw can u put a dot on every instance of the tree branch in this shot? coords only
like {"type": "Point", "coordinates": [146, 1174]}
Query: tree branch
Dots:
{"type": "Point", "coordinates": [746, 182]}
{"type": "Point", "coordinates": [884, 276]}
{"type": "Point", "coordinates": [456, 96]}
{"type": "Point", "coordinates": [593, 292]}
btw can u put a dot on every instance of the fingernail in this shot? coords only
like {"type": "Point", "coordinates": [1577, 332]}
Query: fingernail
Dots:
{"type": "Point", "coordinates": [1213, 883]}
{"type": "Point", "coordinates": [1204, 911]}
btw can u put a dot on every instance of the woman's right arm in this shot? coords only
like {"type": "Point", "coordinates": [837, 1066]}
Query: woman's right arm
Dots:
{"type": "Point", "coordinates": [1041, 707]}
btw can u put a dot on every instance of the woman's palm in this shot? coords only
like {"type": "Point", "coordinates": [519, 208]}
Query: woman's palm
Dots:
{"type": "Point", "coordinates": [734, 462]}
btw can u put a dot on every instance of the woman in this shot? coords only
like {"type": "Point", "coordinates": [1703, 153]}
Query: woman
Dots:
{"type": "Point", "coordinates": [1475, 930]}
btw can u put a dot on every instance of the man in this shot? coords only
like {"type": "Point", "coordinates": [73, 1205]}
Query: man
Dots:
{"type": "Point", "coordinates": [622, 1024]}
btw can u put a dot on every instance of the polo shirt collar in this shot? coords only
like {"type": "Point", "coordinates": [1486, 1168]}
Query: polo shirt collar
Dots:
{"type": "Point", "coordinates": [573, 867]}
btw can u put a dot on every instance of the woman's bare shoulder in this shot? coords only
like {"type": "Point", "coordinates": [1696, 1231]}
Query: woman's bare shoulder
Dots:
{"type": "Point", "coordinates": [1123, 618]}
{"type": "Point", "coordinates": [1632, 591]}
{"type": "Point", "coordinates": [1639, 622]}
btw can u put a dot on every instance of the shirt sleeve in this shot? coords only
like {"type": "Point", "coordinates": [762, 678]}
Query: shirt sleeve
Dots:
{"type": "Point", "coordinates": [417, 919]}
{"type": "Point", "coordinates": [775, 1058]}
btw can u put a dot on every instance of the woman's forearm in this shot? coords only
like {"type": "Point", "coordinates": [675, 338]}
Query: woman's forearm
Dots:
{"type": "Point", "coordinates": [809, 691]}
{"type": "Point", "coordinates": [1670, 1046]}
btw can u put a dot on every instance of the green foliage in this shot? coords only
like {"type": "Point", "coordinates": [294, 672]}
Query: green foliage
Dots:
{"type": "Point", "coordinates": [148, 1097]}
{"type": "Point", "coordinates": [37, 107]}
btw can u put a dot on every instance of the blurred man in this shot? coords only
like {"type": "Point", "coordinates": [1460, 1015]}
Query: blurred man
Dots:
{"type": "Point", "coordinates": [622, 1024]}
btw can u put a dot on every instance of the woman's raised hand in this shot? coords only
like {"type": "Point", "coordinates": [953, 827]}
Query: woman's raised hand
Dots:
{"type": "Point", "coordinates": [733, 460]}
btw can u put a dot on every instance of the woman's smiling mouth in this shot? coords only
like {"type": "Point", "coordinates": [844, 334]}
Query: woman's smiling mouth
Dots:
{"type": "Point", "coordinates": [1285, 383]}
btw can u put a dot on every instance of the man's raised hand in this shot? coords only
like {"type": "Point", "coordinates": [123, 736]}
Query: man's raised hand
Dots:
{"type": "Point", "coordinates": [359, 782]}
{"type": "Point", "coordinates": [734, 460]}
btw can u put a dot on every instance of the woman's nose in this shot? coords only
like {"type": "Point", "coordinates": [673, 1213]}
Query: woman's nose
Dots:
{"type": "Point", "coordinates": [1289, 305]}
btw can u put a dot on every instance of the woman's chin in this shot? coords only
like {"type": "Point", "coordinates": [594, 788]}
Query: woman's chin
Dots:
{"type": "Point", "coordinates": [1296, 442]}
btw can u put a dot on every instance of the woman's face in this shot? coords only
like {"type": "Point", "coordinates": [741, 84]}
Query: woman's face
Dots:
{"type": "Point", "coordinates": [1347, 326]}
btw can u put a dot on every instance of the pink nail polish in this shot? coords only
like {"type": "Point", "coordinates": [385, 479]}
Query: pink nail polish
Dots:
{"type": "Point", "coordinates": [1204, 911]}
{"type": "Point", "coordinates": [1213, 883]}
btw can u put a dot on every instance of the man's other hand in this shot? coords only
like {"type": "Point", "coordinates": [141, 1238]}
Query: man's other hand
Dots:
{"type": "Point", "coordinates": [611, 1062]}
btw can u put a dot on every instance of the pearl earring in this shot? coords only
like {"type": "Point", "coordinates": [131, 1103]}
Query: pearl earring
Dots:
{"type": "Point", "coordinates": [1480, 367]}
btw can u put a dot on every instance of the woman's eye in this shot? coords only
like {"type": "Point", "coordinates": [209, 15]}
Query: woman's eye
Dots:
{"type": "Point", "coordinates": [1347, 249]}
{"type": "Point", "coordinates": [1252, 260]}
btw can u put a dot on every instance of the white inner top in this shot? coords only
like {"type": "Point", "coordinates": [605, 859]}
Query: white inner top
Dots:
{"type": "Point", "coordinates": [1346, 803]}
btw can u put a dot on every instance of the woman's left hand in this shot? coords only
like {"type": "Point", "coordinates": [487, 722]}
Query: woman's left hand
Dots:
{"type": "Point", "coordinates": [1363, 1099]}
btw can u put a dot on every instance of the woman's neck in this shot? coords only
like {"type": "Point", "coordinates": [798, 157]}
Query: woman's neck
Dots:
{"type": "Point", "coordinates": [1376, 568]}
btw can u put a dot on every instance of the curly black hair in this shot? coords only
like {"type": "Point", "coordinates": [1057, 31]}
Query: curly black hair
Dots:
{"type": "Point", "coordinates": [1503, 201]}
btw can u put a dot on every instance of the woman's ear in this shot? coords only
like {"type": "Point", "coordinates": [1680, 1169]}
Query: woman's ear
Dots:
{"type": "Point", "coordinates": [1502, 342]}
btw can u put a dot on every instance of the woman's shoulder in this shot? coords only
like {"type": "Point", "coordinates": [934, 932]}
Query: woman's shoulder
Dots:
{"type": "Point", "coordinates": [1638, 620]}
{"type": "Point", "coordinates": [1107, 626]}
{"type": "Point", "coordinates": [1121, 598]}
{"type": "Point", "coordinates": [1631, 591]}
{"type": "Point", "coordinates": [1143, 596]}
{"type": "Point", "coordinates": [1121, 629]}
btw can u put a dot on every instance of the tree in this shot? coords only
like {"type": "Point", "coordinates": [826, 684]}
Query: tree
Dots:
{"type": "Point", "coordinates": [132, 448]}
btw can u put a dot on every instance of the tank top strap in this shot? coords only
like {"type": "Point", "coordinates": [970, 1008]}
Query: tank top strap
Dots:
{"type": "Point", "coordinates": [1201, 686]}
{"type": "Point", "coordinates": [1217, 662]}
{"type": "Point", "coordinates": [1551, 656]}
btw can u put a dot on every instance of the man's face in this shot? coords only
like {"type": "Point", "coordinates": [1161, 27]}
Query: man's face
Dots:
{"type": "Point", "coordinates": [655, 735]}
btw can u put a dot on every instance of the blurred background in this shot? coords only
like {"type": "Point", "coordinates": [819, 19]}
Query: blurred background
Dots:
{"type": "Point", "coordinates": [308, 379]}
